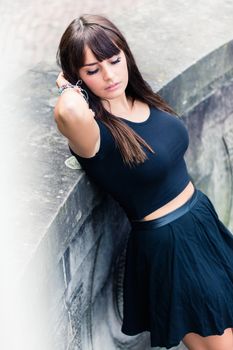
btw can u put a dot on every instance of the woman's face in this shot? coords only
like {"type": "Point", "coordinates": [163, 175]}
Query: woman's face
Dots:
{"type": "Point", "coordinates": [98, 76]}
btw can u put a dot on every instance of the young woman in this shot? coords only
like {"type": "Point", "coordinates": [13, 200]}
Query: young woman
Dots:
{"type": "Point", "coordinates": [178, 281]}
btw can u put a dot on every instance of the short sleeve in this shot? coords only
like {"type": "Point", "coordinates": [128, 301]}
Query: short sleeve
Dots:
{"type": "Point", "coordinates": [107, 142]}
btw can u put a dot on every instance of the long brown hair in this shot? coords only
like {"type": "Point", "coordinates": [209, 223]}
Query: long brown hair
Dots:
{"type": "Point", "coordinates": [105, 40]}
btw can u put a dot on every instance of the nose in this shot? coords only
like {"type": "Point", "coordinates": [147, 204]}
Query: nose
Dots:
{"type": "Point", "coordinates": [108, 73]}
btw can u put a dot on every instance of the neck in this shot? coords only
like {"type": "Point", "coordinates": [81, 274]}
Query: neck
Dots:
{"type": "Point", "coordinates": [119, 106]}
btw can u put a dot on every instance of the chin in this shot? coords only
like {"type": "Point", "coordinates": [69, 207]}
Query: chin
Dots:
{"type": "Point", "coordinates": [116, 93]}
{"type": "Point", "coordinates": [114, 96]}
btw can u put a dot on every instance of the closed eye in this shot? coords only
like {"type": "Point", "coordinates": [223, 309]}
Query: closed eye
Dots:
{"type": "Point", "coordinates": [95, 71]}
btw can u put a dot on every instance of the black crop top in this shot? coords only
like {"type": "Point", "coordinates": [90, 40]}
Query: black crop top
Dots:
{"type": "Point", "coordinates": [147, 186]}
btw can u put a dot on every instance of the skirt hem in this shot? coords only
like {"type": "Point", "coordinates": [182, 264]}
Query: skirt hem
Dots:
{"type": "Point", "coordinates": [177, 342]}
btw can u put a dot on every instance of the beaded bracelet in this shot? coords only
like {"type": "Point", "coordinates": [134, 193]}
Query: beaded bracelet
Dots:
{"type": "Point", "coordinates": [84, 94]}
{"type": "Point", "coordinates": [65, 86]}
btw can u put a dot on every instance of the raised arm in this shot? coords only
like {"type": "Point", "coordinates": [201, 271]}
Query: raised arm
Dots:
{"type": "Point", "coordinates": [76, 122]}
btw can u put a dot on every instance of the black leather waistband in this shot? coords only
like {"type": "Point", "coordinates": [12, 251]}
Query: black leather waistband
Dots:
{"type": "Point", "coordinates": [165, 219]}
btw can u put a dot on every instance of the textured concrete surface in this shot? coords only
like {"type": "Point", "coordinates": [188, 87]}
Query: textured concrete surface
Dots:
{"type": "Point", "coordinates": [166, 36]}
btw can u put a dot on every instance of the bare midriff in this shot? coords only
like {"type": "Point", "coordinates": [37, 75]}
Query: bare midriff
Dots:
{"type": "Point", "coordinates": [173, 204]}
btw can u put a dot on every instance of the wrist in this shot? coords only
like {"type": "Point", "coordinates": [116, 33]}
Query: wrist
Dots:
{"type": "Point", "coordinates": [64, 87]}
{"type": "Point", "coordinates": [76, 88]}
{"type": "Point", "coordinates": [69, 88]}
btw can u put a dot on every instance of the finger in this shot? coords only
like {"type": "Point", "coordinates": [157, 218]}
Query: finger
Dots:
{"type": "Point", "coordinates": [92, 112]}
{"type": "Point", "coordinates": [78, 89]}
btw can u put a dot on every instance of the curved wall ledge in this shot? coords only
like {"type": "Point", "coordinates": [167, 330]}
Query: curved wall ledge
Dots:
{"type": "Point", "coordinates": [72, 237]}
{"type": "Point", "coordinates": [202, 95]}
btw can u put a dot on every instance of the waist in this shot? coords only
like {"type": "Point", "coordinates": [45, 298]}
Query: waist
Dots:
{"type": "Point", "coordinates": [169, 217]}
{"type": "Point", "coordinates": [173, 204]}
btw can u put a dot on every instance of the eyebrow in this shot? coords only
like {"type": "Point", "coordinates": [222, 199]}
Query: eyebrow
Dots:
{"type": "Point", "coordinates": [90, 64]}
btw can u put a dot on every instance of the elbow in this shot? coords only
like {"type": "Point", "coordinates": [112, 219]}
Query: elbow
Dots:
{"type": "Point", "coordinates": [62, 112]}
{"type": "Point", "coordinates": [56, 114]}
{"type": "Point", "coordinates": [73, 106]}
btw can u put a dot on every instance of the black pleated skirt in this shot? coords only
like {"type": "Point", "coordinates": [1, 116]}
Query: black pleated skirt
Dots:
{"type": "Point", "coordinates": [179, 274]}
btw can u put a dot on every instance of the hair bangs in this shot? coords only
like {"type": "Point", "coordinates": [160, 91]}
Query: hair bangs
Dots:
{"type": "Point", "coordinates": [101, 42]}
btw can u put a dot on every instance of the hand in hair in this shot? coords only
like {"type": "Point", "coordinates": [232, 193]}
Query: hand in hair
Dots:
{"type": "Point", "coordinates": [62, 81]}
{"type": "Point", "coordinates": [70, 102]}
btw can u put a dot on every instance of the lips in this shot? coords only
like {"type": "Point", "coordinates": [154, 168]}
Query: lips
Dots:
{"type": "Point", "coordinates": [111, 86]}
